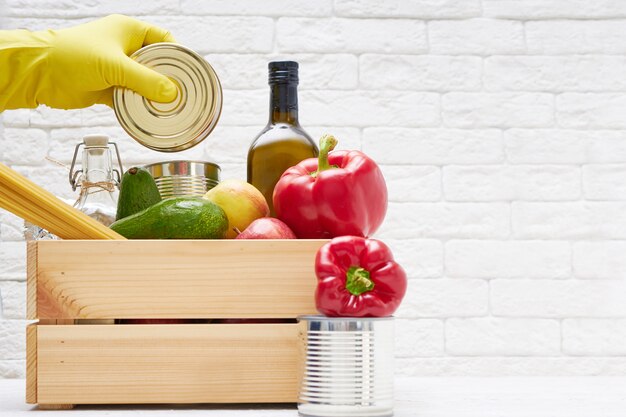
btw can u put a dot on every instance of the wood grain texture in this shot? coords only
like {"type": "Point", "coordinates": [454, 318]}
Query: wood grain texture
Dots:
{"type": "Point", "coordinates": [33, 377]}
{"type": "Point", "coordinates": [183, 363]}
{"type": "Point", "coordinates": [31, 363]}
{"type": "Point", "coordinates": [176, 279]}
{"type": "Point", "coordinates": [31, 280]}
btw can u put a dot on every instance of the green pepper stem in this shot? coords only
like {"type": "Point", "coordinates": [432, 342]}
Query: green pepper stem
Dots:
{"type": "Point", "coordinates": [358, 280]}
{"type": "Point", "coordinates": [327, 144]}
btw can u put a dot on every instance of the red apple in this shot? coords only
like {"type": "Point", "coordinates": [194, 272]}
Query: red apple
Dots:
{"type": "Point", "coordinates": [267, 228]}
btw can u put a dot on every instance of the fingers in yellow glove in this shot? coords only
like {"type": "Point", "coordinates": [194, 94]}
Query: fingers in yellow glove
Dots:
{"type": "Point", "coordinates": [79, 66]}
{"type": "Point", "coordinates": [150, 84]}
{"type": "Point", "coordinates": [155, 34]}
{"type": "Point", "coordinates": [137, 77]}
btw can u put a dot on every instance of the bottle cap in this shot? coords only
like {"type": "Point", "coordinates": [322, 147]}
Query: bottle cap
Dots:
{"type": "Point", "coordinates": [97, 139]}
{"type": "Point", "coordinates": [283, 72]}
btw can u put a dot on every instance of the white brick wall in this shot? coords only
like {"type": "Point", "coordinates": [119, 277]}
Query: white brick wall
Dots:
{"type": "Point", "coordinates": [508, 259]}
{"type": "Point", "coordinates": [541, 9]}
{"type": "Point", "coordinates": [428, 72]}
{"type": "Point", "coordinates": [599, 260]}
{"type": "Point", "coordinates": [395, 36]}
{"type": "Point", "coordinates": [499, 125]}
{"type": "Point", "coordinates": [503, 337]}
{"type": "Point", "coordinates": [558, 298]}
{"type": "Point", "coordinates": [594, 337]}
{"type": "Point", "coordinates": [445, 298]}
{"type": "Point", "coordinates": [590, 110]}
{"type": "Point", "coordinates": [470, 110]}
{"type": "Point", "coordinates": [591, 220]}
{"type": "Point", "coordinates": [511, 182]}
{"type": "Point", "coordinates": [565, 37]}
{"type": "Point", "coordinates": [451, 9]}
{"type": "Point", "coordinates": [476, 37]}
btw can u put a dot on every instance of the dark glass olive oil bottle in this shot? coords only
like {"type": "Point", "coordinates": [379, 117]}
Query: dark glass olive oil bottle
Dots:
{"type": "Point", "coordinates": [282, 143]}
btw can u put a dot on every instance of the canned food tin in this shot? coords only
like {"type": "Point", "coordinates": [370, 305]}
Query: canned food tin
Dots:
{"type": "Point", "coordinates": [184, 178]}
{"type": "Point", "coordinates": [186, 121]}
{"type": "Point", "coordinates": [348, 369]}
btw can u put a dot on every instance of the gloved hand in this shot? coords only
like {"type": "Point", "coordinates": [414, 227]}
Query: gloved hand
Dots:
{"type": "Point", "coordinates": [77, 67]}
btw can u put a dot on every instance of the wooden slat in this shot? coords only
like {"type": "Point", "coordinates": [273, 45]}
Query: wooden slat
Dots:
{"type": "Point", "coordinates": [48, 322]}
{"type": "Point", "coordinates": [302, 344]}
{"type": "Point", "coordinates": [31, 280]}
{"type": "Point", "coordinates": [31, 363]}
{"type": "Point", "coordinates": [184, 363]}
{"type": "Point", "coordinates": [176, 279]}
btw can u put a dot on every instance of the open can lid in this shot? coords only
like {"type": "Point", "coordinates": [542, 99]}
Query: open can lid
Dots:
{"type": "Point", "coordinates": [186, 121]}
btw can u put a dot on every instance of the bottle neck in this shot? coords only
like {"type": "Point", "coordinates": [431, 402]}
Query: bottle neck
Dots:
{"type": "Point", "coordinates": [97, 164]}
{"type": "Point", "coordinates": [97, 184]}
{"type": "Point", "coordinates": [284, 103]}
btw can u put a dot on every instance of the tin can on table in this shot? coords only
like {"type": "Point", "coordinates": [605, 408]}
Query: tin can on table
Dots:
{"type": "Point", "coordinates": [348, 368]}
{"type": "Point", "coordinates": [186, 121]}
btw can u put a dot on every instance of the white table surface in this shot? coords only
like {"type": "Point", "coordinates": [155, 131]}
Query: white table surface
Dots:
{"type": "Point", "coordinates": [421, 397]}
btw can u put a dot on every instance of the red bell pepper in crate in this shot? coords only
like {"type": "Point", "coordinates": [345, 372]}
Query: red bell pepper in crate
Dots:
{"type": "Point", "coordinates": [358, 277]}
{"type": "Point", "coordinates": [340, 193]}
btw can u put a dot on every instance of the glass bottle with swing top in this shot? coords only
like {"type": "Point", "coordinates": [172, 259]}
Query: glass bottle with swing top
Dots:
{"type": "Point", "coordinates": [97, 179]}
{"type": "Point", "coordinates": [98, 182]}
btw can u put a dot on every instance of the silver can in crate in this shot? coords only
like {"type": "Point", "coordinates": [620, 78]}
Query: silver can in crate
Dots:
{"type": "Point", "coordinates": [186, 121]}
{"type": "Point", "coordinates": [184, 178]}
{"type": "Point", "coordinates": [348, 368]}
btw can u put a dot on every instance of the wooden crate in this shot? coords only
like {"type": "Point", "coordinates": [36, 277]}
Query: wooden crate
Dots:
{"type": "Point", "coordinates": [71, 283]}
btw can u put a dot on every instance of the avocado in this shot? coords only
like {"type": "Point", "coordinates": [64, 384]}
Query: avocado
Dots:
{"type": "Point", "coordinates": [138, 191]}
{"type": "Point", "coordinates": [175, 218]}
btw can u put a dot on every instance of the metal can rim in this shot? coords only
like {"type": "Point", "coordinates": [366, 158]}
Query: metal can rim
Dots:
{"type": "Point", "coordinates": [167, 171]}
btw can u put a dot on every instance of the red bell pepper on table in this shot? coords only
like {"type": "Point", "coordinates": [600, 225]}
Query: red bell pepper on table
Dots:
{"type": "Point", "coordinates": [358, 277]}
{"type": "Point", "coordinates": [340, 193]}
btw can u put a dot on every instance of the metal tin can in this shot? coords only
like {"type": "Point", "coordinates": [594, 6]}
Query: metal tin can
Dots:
{"type": "Point", "coordinates": [186, 121]}
{"type": "Point", "coordinates": [348, 368]}
{"type": "Point", "coordinates": [184, 178]}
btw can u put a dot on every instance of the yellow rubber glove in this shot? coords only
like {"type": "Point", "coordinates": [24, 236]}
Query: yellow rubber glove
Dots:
{"type": "Point", "coordinates": [77, 67]}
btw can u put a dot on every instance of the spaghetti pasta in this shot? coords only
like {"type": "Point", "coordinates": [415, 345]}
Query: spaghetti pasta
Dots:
{"type": "Point", "coordinates": [34, 204]}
